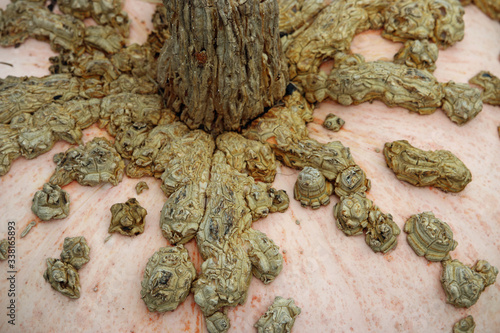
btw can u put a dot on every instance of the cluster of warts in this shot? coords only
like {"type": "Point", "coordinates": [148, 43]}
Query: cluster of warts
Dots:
{"type": "Point", "coordinates": [62, 274]}
{"type": "Point", "coordinates": [217, 186]}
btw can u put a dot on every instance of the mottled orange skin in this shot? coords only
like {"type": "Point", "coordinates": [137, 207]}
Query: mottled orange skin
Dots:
{"type": "Point", "coordinates": [333, 278]}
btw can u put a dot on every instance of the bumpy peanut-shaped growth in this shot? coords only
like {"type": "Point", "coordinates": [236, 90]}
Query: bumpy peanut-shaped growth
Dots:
{"type": "Point", "coordinates": [51, 203]}
{"type": "Point", "coordinates": [311, 189]}
{"type": "Point", "coordinates": [4, 249]}
{"type": "Point", "coordinates": [420, 54]}
{"type": "Point", "coordinates": [90, 164]}
{"type": "Point", "coordinates": [75, 251]}
{"type": "Point", "coordinates": [491, 87]}
{"type": "Point", "coordinates": [430, 237]}
{"type": "Point", "coordinates": [231, 249]}
{"type": "Point", "coordinates": [167, 279]}
{"type": "Point", "coordinates": [127, 218]}
{"type": "Point", "coordinates": [63, 277]}
{"type": "Point", "coordinates": [279, 317]}
{"type": "Point", "coordinates": [438, 168]}
{"type": "Point", "coordinates": [465, 325]}
{"type": "Point", "coordinates": [463, 285]}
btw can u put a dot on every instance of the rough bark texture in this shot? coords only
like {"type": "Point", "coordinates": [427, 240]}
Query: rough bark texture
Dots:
{"type": "Point", "coordinates": [314, 250]}
{"type": "Point", "coordinates": [223, 63]}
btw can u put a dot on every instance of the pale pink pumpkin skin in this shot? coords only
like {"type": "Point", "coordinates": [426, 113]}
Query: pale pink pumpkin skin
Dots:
{"type": "Point", "coordinates": [337, 281]}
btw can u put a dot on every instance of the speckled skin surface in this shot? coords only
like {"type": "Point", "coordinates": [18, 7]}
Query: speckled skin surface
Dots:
{"type": "Point", "coordinates": [333, 278]}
